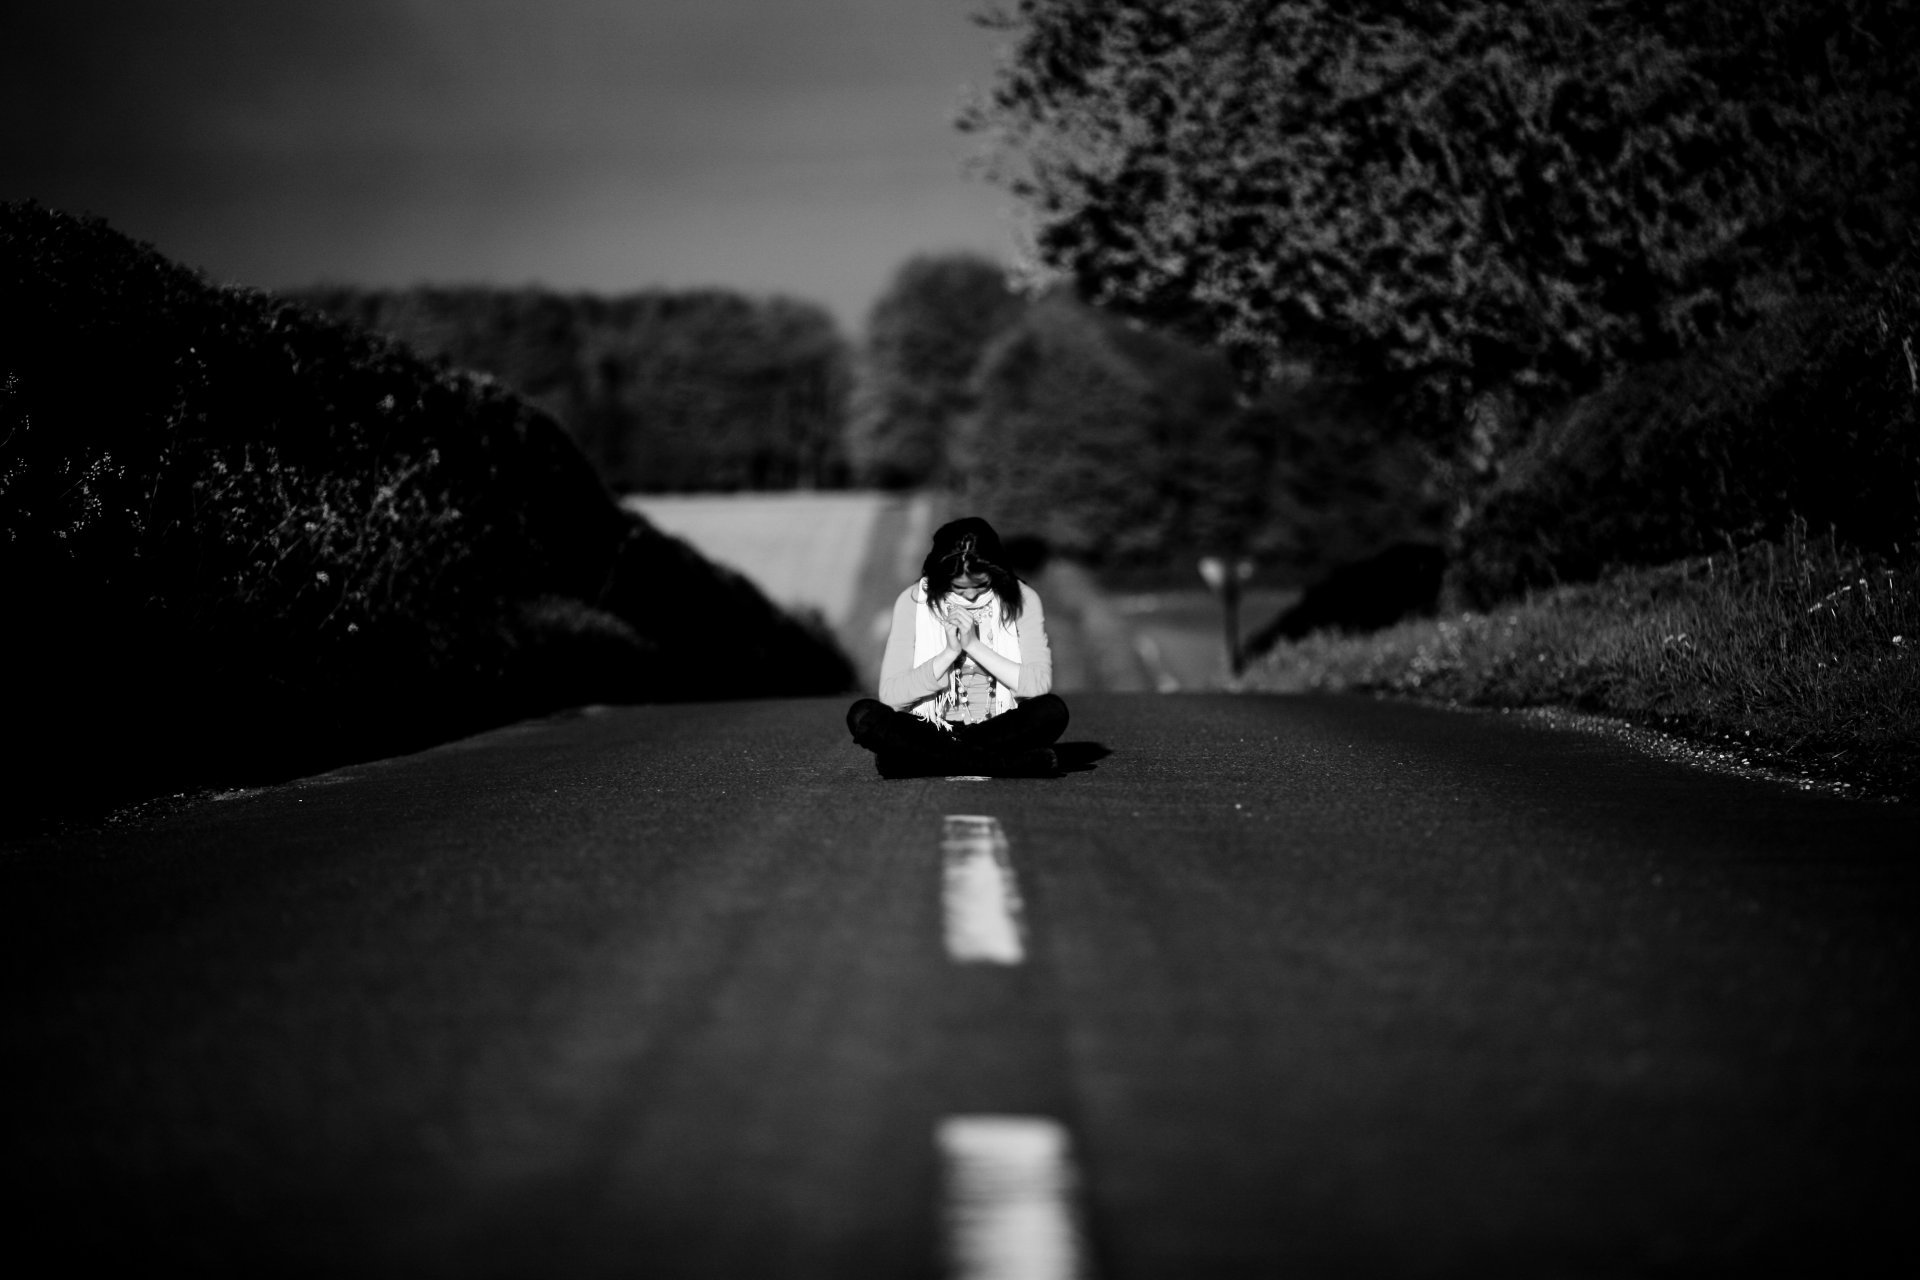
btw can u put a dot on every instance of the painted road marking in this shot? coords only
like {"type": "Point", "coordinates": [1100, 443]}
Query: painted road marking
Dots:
{"type": "Point", "coordinates": [1010, 1208]}
{"type": "Point", "coordinates": [981, 900]}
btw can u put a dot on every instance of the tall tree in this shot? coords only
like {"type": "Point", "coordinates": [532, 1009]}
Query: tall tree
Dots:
{"type": "Point", "coordinates": [1119, 445]}
{"type": "Point", "coordinates": [914, 385]}
{"type": "Point", "coordinates": [1456, 196]}
{"type": "Point", "coordinates": [1066, 442]}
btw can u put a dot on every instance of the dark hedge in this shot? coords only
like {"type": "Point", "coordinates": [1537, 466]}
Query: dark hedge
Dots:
{"type": "Point", "coordinates": [243, 540]}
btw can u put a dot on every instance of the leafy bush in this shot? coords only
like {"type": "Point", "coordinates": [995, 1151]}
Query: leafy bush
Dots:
{"type": "Point", "coordinates": [242, 538]}
{"type": "Point", "coordinates": [1814, 414]}
{"type": "Point", "coordinates": [715, 634]}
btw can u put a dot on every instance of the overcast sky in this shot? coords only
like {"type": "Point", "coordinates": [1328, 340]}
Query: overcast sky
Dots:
{"type": "Point", "coordinates": [798, 146]}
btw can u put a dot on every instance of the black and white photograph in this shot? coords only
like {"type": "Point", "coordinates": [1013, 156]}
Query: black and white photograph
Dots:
{"type": "Point", "coordinates": [960, 639]}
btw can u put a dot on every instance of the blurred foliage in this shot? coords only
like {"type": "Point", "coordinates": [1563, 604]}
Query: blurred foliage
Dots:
{"type": "Point", "coordinates": [1814, 414]}
{"type": "Point", "coordinates": [1069, 440]}
{"type": "Point", "coordinates": [914, 386]}
{"type": "Point", "coordinates": [1129, 449]}
{"type": "Point", "coordinates": [239, 538]}
{"type": "Point", "coordinates": [1456, 198]}
{"type": "Point", "coordinates": [663, 390]}
{"type": "Point", "coordinates": [1341, 484]}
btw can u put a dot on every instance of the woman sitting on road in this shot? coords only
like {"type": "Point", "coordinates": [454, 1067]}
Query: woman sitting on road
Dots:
{"type": "Point", "coordinates": [964, 684]}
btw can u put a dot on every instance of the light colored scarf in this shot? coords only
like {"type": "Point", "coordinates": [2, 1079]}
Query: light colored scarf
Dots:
{"type": "Point", "coordinates": [930, 638]}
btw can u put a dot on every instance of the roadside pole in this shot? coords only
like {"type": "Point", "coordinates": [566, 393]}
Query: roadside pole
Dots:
{"type": "Point", "coordinates": [1226, 584]}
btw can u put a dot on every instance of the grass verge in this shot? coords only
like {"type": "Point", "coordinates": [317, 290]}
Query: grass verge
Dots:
{"type": "Point", "coordinates": [1799, 652]}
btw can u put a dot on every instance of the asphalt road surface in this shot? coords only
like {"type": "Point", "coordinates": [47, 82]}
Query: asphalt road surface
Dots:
{"type": "Point", "coordinates": [1278, 987]}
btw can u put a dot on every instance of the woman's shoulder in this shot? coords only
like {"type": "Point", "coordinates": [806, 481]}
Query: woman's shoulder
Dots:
{"type": "Point", "coordinates": [910, 600]}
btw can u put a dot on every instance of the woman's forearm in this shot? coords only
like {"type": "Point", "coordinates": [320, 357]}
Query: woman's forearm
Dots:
{"type": "Point", "coordinates": [1003, 669]}
{"type": "Point", "coordinates": [903, 688]}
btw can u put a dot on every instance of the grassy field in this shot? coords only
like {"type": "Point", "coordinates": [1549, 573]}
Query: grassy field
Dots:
{"type": "Point", "coordinates": [1797, 653]}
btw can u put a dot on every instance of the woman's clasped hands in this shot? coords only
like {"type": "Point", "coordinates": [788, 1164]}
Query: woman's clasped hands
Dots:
{"type": "Point", "coordinates": [961, 629]}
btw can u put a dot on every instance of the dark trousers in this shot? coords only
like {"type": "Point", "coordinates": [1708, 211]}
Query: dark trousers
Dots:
{"type": "Point", "coordinates": [1036, 722]}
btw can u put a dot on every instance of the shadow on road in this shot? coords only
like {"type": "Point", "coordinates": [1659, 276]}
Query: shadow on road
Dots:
{"type": "Point", "coordinates": [1068, 757]}
{"type": "Point", "coordinates": [1078, 757]}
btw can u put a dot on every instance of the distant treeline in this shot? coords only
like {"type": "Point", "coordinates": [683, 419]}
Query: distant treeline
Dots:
{"type": "Point", "coordinates": [1125, 447]}
{"type": "Point", "coordinates": [662, 389]}
{"type": "Point", "coordinates": [240, 539]}
{"type": "Point", "coordinates": [1137, 451]}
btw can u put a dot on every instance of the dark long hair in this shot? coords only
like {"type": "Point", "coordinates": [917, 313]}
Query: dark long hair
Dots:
{"type": "Point", "coordinates": [966, 546]}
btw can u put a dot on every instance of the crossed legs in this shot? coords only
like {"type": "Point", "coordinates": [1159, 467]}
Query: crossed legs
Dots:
{"type": "Point", "coordinates": [905, 740]}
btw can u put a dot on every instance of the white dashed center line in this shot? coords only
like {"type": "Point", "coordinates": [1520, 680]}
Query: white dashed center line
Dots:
{"type": "Point", "coordinates": [1011, 1199]}
{"type": "Point", "coordinates": [981, 900]}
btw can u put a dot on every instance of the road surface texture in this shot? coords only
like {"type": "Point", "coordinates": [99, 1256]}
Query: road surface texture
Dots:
{"type": "Point", "coordinates": [1277, 987]}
